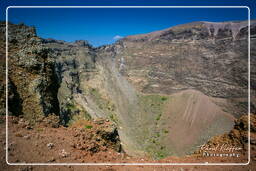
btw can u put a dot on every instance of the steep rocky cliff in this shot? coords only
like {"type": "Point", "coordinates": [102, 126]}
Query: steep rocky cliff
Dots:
{"type": "Point", "coordinates": [74, 62]}
{"type": "Point", "coordinates": [161, 78]}
{"type": "Point", "coordinates": [31, 77]}
{"type": "Point", "coordinates": [166, 91]}
{"type": "Point", "coordinates": [209, 57]}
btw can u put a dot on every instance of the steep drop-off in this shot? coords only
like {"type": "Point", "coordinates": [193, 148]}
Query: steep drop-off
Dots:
{"type": "Point", "coordinates": [167, 92]}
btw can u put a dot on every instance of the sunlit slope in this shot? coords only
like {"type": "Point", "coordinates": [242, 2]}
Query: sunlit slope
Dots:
{"type": "Point", "coordinates": [191, 119]}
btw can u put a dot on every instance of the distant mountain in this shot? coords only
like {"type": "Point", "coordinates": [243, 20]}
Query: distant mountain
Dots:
{"type": "Point", "coordinates": [202, 28]}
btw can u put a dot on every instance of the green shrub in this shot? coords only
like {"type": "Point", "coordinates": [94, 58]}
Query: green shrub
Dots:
{"type": "Point", "coordinates": [158, 117]}
{"type": "Point", "coordinates": [166, 131]}
{"type": "Point", "coordinates": [163, 98]}
{"type": "Point", "coordinates": [158, 134]}
{"type": "Point", "coordinates": [88, 126]}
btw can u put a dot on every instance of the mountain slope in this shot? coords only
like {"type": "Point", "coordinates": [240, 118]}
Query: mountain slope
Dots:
{"type": "Point", "coordinates": [186, 82]}
{"type": "Point", "coordinates": [208, 57]}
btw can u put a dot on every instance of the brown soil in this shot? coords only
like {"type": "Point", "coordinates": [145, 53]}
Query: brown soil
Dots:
{"type": "Point", "coordinates": [192, 119]}
{"type": "Point", "coordinates": [33, 144]}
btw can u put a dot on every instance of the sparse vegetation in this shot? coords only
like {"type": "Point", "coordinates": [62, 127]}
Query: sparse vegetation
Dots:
{"type": "Point", "coordinates": [153, 103]}
{"type": "Point", "coordinates": [158, 134]}
{"type": "Point", "coordinates": [88, 126]}
{"type": "Point", "coordinates": [160, 155]}
{"type": "Point", "coordinates": [158, 117]}
{"type": "Point", "coordinates": [153, 106]}
{"type": "Point", "coordinates": [104, 104]}
{"type": "Point", "coordinates": [155, 64]}
{"type": "Point", "coordinates": [70, 106]}
{"type": "Point", "coordinates": [166, 131]}
{"type": "Point", "coordinates": [163, 98]}
{"type": "Point", "coordinates": [113, 117]}
{"type": "Point", "coordinates": [78, 113]}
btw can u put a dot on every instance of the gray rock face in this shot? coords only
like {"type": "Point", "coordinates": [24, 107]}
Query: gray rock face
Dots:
{"type": "Point", "coordinates": [171, 62]}
{"type": "Point", "coordinates": [81, 43]}
{"type": "Point", "coordinates": [144, 83]}
{"type": "Point", "coordinates": [73, 63]}
{"type": "Point", "coordinates": [17, 33]}
{"type": "Point", "coordinates": [32, 80]}
{"type": "Point", "coordinates": [209, 57]}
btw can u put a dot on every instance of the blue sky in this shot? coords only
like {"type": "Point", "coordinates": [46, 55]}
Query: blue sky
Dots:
{"type": "Point", "coordinates": [102, 26]}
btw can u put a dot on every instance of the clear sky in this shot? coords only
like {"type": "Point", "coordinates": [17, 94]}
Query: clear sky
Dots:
{"type": "Point", "coordinates": [104, 26]}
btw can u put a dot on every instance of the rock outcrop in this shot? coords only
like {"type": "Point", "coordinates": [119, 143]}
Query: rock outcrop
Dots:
{"type": "Point", "coordinates": [190, 57]}
{"type": "Point", "coordinates": [74, 62]}
{"type": "Point", "coordinates": [187, 56]}
{"type": "Point", "coordinates": [31, 77]}
{"type": "Point", "coordinates": [194, 74]}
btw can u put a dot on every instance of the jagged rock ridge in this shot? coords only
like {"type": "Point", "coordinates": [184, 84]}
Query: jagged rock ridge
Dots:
{"type": "Point", "coordinates": [141, 83]}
